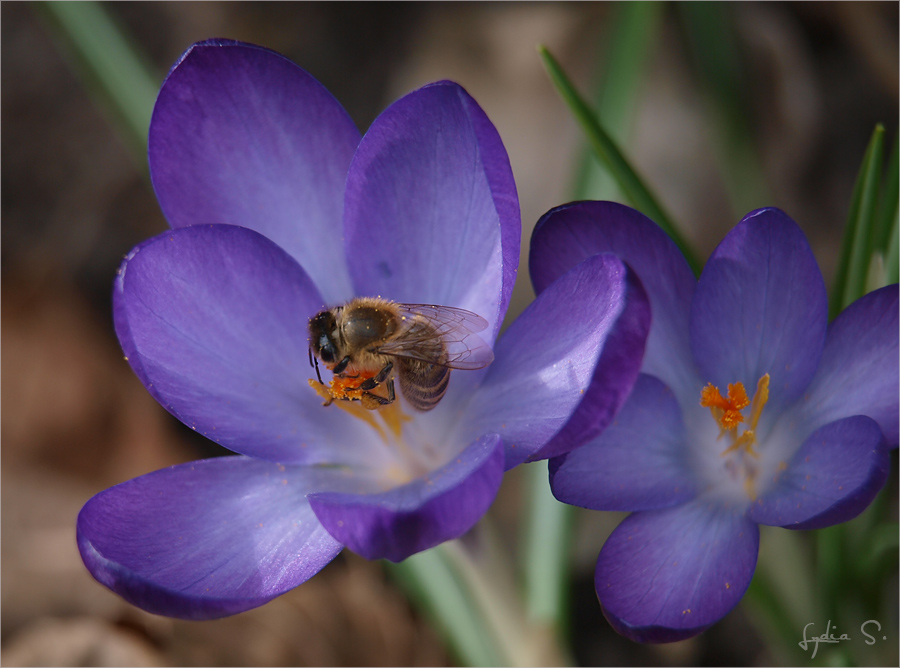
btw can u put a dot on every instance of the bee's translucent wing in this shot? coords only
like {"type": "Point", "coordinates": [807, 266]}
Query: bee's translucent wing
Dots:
{"type": "Point", "coordinates": [427, 325]}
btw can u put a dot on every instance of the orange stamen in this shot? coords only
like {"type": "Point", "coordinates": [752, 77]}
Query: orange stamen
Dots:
{"type": "Point", "coordinates": [760, 398]}
{"type": "Point", "coordinates": [727, 412]}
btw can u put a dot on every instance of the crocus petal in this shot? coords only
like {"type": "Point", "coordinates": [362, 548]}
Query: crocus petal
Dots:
{"type": "Point", "coordinates": [431, 210]}
{"type": "Point", "coordinates": [546, 360]}
{"type": "Point", "coordinates": [637, 463]}
{"type": "Point", "coordinates": [213, 319]}
{"type": "Point", "coordinates": [667, 575]}
{"type": "Point", "coordinates": [241, 135]}
{"type": "Point", "coordinates": [568, 234]}
{"type": "Point", "coordinates": [616, 372]}
{"type": "Point", "coordinates": [206, 539]}
{"type": "Point", "coordinates": [833, 477]}
{"type": "Point", "coordinates": [760, 307]}
{"type": "Point", "coordinates": [859, 368]}
{"type": "Point", "coordinates": [439, 506]}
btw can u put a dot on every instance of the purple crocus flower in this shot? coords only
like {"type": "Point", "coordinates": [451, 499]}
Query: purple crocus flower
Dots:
{"type": "Point", "coordinates": [279, 210]}
{"type": "Point", "coordinates": [749, 410]}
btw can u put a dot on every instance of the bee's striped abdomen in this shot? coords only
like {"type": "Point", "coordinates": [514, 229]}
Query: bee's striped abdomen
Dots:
{"type": "Point", "coordinates": [423, 384]}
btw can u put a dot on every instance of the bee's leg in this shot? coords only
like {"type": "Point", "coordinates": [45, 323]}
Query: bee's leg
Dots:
{"type": "Point", "coordinates": [377, 379]}
{"type": "Point", "coordinates": [340, 366]}
{"type": "Point", "coordinates": [372, 401]}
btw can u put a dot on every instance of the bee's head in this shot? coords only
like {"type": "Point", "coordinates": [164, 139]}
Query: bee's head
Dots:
{"type": "Point", "coordinates": [322, 330]}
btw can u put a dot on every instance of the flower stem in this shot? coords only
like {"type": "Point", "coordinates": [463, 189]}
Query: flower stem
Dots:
{"type": "Point", "coordinates": [548, 536]}
{"type": "Point", "coordinates": [486, 575]}
{"type": "Point", "coordinates": [467, 588]}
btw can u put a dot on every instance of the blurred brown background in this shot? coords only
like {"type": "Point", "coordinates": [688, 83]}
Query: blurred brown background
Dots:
{"type": "Point", "coordinates": [74, 201]}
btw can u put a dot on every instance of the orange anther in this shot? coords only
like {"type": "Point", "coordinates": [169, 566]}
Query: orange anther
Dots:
{"type": "Point", "coordinates": [727, 412]}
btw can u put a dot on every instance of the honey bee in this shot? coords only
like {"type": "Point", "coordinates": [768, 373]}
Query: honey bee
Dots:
{"type": "Point", "coordinates": [368, 340]}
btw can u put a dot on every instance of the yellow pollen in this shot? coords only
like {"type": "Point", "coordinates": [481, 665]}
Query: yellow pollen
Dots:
{"type": "Point", "coordinates": [355, 410]}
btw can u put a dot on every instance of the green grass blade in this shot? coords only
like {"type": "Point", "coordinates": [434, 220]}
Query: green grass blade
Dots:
{"type": "Point", "coordinates": [881, 544]}
{"type": "Point", "coordinates": [891, 259]}
{"type": "Point", "coordinates": [430, 581]}
{"type": "Point", "coordinates": [631, 184]}
{"type": "Point", "coordinates": [711, 35]}
{"type": "Point", "coordinates": [888, 202]}
{"type": "Point", "coordinates": [468, 588]}
{"type": "Point", "coordinates": [111, 67]}
{"type": "Point", "coordinates": [632, 35]}
{"type": "Point", "coordinates": [782, 593]}
{"type": "Point", "coordinates": [830, 565]}
{"type": "Point", "coordinates": [856, 249]}
{"type": "Point", "coordinates": [548, 538]}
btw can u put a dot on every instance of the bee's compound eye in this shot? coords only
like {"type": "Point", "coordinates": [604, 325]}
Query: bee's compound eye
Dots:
{"type": "Point", "coordinates": [326, 350]}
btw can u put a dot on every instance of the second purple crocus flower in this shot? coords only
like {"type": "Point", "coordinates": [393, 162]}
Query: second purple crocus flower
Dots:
{"type": "Point", "coordinates": [750, 409]}
{"type": "Point", "coordinates": [278, 210]}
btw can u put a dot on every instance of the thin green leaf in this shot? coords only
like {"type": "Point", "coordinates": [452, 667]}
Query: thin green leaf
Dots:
{"type": "Point", "coordinates": [548, 536]}
{"type": "Point", "coordinates": [830, 567]}
{"type": "Point", "coordinates": [891, 260]}
{"type": "Point", "coordinates": [881, 542]}
{"type": "Point", "coordinates": [781, 594]}
{"type": "Point", "coordinates": [482, 566]}
{"type": "Point", "coordinates": [888, 202]}
{"type": "Point", "coordinates": [768, 613]}
{"type": "Point", "coordinates": [631, 36]}
{"type": "Point", "coordinates": [430, 581]}
{"type": "Point", "coordinates": [467, 587]}
{"type": "Point", "coordinates": [111, 67]}
{"type": "Point", "coordinates": [875, 277]}
{"type": "Point", "coordinates": [631, 184]}
{"type": "Point", "coordinates": [711, 35]}
{"type": "Point", "coordinates": [856, 248]}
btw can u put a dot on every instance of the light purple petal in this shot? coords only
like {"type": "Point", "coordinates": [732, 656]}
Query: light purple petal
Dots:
{"type": "Point", "coordinates": [637, 463]}
{"type": "Point", "coordinates": [760, 307]}
{"type": "Point", "coordinates": [206, 539]}
{"type": "Point", "coordinates": [438, 506]}
{"type": "Point", "coordinates": [568, 234]}
{"type": "Point", "coordinates": [614, 376]}
{"type": "Point", "coordinates": [431, 211]}
{"type": "Point", "coordinates": [241, 135]}
{"type": "Point", "coordinates": [546, 360]}
{"type": "Point", "coordinates": [213, 319]}
{"type": "Point", "coordinates": [859, 368]}
{"type": "Point", "coordinates": [833, 477]}
{"type": "Point", "coordinates": [667, 575]}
